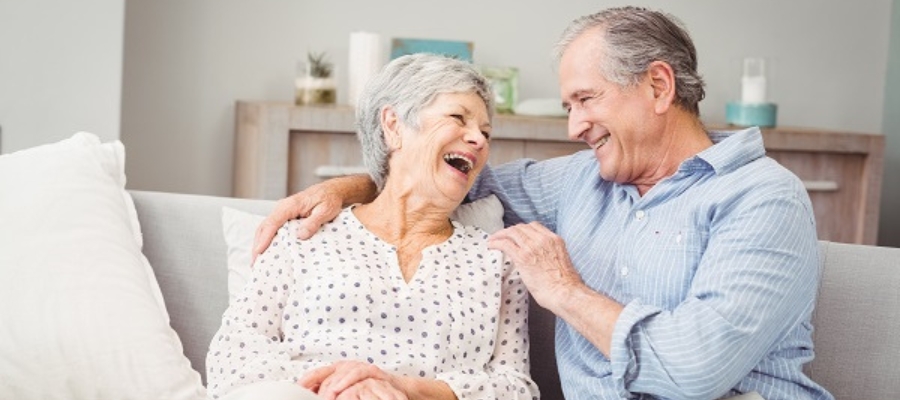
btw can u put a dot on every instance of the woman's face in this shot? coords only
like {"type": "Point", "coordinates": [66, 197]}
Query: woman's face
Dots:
{"type": "Point", "coordinates": [449, 149]}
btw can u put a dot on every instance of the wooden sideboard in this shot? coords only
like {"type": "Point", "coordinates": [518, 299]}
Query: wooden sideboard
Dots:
{"type": "Point", "coordinates": [281, 148]}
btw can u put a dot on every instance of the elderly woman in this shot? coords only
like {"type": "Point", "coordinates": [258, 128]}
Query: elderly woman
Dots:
{"type": "Point", "coordinates": [392, 299]}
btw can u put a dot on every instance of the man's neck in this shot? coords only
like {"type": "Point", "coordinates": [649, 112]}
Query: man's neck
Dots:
{"type": "Point", "coordinates": [685, 136]}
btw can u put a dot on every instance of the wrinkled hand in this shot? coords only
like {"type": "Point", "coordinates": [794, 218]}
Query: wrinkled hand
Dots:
{"type": "Point", "coordinates": [541, 258]}
{"type": "Point", "coordinates": [332, 381]}
{"type": "Point", "coordinates": [372, 389]}
{"type": "Point", "coordinates": [315, 204]}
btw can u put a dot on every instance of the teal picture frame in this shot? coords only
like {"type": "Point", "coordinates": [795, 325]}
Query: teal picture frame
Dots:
{"type": "Point", "coordinates": [450, 48]}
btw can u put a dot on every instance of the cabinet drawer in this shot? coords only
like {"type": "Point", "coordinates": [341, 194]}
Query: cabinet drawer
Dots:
{"type": "Point", "coordinates": [834, 183]}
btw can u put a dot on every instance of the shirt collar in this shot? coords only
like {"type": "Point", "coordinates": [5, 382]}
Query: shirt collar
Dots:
{"type": "Point", "coordinates": [730, 151]}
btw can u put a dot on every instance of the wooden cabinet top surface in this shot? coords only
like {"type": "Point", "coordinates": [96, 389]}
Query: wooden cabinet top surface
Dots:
{"type": "Point", "coordinates": [340, 118]}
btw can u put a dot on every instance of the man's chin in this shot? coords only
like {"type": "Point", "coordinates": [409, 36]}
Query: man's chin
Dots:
{"type": "Point", "coordinates": [610, 176]}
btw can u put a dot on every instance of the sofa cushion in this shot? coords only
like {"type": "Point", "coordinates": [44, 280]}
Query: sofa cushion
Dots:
{"type": "Point", "coordinates": [183, 241]}
{"type": "Point", "coordinates": [82, 314]}
{"type": "Point", "coordinates": [239, 229]}
{"type": "Point", "coordinates": [856, 321]}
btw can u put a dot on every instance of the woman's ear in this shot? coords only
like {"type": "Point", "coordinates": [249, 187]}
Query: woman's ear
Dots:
{"type": "Point", "coordinates": [390, 125]}
{"type": "Point", "coordinates": [662, 80]}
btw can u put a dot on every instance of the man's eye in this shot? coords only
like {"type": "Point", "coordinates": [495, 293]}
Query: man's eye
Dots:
{"type": "Point", "coordinates": [584, 99]}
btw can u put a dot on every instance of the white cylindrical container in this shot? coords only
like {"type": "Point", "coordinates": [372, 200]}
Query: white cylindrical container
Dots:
{"type": "Point", "coordinates": [753, 83]}
{"type": "Point", "coordinates": [365, 59]}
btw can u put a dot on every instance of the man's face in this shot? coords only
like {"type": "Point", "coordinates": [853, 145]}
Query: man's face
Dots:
{"type": "Point", "coordinates": [618, 123]}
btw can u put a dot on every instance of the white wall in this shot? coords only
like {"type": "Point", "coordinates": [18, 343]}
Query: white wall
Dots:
{"type": "Point", "coordinates": [186, 62]}
{"type": "Point", "coordinates": [60, 70]}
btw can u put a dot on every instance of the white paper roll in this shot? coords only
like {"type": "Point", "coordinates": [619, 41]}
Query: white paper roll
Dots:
{"type": "Point", "coordinates": [366, 58]}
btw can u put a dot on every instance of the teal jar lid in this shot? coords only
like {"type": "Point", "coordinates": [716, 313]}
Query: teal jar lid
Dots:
{"type": "Point", "coordinates": [762, 115]}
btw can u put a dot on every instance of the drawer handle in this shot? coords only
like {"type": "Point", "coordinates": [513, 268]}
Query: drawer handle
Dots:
{"type": "Point", "coordinates": [332, 171]}
{"type": "Point", "coordinates": [820, 186]}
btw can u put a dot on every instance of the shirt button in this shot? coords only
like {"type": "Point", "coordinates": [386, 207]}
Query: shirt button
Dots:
{"type": "Point", "coordinates": [624, 271]}
{"type": "Point", "coordinates": [640, 214]}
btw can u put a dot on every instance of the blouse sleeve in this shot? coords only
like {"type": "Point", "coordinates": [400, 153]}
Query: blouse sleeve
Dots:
{"type": "Point", "coordinates": [507, 374]}
{"type": "Point", "coordinates": [249, 345]}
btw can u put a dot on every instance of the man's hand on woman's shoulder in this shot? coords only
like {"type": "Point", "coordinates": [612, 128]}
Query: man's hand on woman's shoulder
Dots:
{"type": "Point", "coordinates": [317, 204]}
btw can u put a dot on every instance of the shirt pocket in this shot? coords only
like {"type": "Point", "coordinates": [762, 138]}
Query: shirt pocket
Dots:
{"type": "Point", "coordinates": [663, 263]}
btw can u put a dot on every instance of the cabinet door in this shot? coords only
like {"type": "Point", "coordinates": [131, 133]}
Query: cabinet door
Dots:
{"type": "Point", "coordinates": [317, 156]}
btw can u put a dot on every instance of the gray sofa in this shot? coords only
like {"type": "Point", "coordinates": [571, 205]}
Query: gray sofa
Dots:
{"type": "Point", "coordinates": [857, 319]}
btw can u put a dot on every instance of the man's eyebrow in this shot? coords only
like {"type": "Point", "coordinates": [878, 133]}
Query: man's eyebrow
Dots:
{"type": "Point", "coordinates": [580, 92]}
{"type": "Point", "coordinates": [574, 95]}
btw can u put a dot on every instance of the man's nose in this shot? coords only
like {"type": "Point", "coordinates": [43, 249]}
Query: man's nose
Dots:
{"type": "Point", "coordinates": [577, 124]}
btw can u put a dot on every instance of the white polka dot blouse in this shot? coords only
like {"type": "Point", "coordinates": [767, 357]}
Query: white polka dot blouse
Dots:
{"type": "Point", "coordinates": [461, 319]}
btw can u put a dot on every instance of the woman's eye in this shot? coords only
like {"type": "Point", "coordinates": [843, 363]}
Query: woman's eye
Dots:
{"type": "Point", "coordinates": [487, 135]}
{"type": "Point", "coordinates": [584, 99]}
{"type": "Point", "coordinates": [459, 118]}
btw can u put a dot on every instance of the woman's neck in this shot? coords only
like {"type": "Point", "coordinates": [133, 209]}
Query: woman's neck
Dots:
{"type": "Point", "coordinates": [407, 222]}
{"type": "Point", "coordinates": [399, 217]}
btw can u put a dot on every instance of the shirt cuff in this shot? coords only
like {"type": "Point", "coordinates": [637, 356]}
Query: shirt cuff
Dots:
{"type": "Point", "coordinates": [622, 356]}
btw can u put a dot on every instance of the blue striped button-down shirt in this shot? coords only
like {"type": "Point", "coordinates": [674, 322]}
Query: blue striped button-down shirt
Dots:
{"type": "Point", "coordinates": [717, 267]}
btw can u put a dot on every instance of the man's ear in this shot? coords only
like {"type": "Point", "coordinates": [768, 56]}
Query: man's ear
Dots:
{"type": "Point", "coordinates": [662, 80]}
{"type": "Point", "coordinates": [390, 125]}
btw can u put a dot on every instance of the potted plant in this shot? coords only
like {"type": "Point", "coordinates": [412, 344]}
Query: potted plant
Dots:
{"type": "Point", "coordinates": [315, 83]}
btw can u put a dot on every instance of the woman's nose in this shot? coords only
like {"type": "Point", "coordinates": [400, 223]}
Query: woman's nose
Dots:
{"type": "Point", "coordinates": [475, 137]}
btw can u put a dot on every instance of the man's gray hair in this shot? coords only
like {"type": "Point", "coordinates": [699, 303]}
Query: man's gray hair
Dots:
{"type": "Point", "coordinates": [407, 84]}
{"type": "Point", "coordinates": [634, 37]}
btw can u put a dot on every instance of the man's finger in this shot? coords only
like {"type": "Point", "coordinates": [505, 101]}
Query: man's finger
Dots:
{"type": "Point", "coordinates": [503, 243]}
{"type": "Point", "coordinates": [261, 241]}
{"type": "Point", "coordinates": [309, 225]}
{"type": "Point", "coordinates": [285, 210]}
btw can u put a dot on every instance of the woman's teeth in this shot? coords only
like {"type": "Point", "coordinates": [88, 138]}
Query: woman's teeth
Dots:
{"type": "Point", "coordinates": [459, 162]}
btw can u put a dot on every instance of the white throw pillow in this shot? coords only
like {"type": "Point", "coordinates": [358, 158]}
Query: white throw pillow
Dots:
{"type": "Point", "coordinates": [82, 314]}
{"type": "Point", "coordinates": [239, 228]}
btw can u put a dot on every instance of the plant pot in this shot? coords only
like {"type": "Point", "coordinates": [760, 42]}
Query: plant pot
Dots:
{"type": "Point", "coordinates": [312, 90]}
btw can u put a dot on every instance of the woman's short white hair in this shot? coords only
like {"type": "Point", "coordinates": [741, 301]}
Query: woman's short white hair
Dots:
{"type": "Point", "coordinates": [407, 84]}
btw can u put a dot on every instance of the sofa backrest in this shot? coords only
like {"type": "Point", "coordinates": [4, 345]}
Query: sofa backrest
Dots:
{"type": "Point", "coordinates": [856, 322]}
{"type": "Point", "coordinates": [184, 242]}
